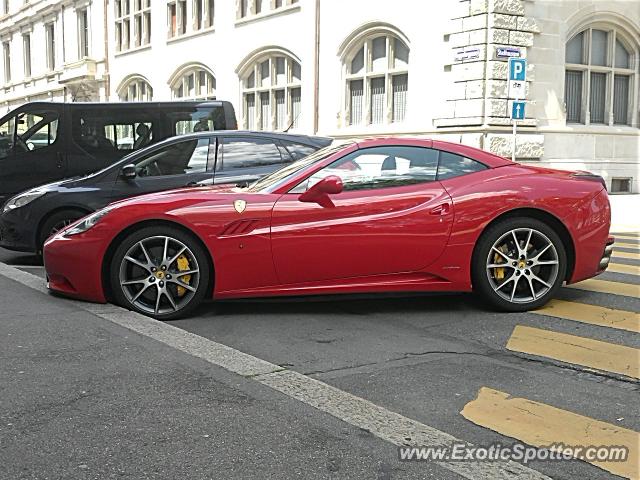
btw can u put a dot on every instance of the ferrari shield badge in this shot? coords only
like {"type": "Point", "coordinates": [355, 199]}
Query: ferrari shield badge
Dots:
{"type": "Point", "coordinates": [239, 205]}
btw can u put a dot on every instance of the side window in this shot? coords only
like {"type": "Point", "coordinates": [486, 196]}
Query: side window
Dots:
{"type": "Point", "coordinates": [176, 159]}
{"type": "Point", "coordinates": [247, 152]}
{"type": "Point", "coordinates": [298, 150]}
{"type": "Point", "coordinates": [380, 167]}
{"type": "Point", "coordinates": [36, 130]}
{"type": "Point", "coordinates": [198, 119]}
{"type": "Point", "coordinates": [452, 165]}
{"type": "Point", "coordinates": [112, 131]}
{"type": "Point", "coordinates": [7, 130]}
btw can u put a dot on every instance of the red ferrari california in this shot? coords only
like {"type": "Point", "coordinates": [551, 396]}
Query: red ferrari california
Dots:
{"type": "Point", "coordinates": [381, 215]}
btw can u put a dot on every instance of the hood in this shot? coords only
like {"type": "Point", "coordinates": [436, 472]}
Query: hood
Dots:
{"type": "Point", "coordinates": [181, 195]}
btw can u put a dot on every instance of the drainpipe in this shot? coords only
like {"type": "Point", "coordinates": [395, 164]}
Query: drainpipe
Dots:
{"type": "Point", "coordinates": [316, 73]}
{"type": "Point", "coordinates": [105, 26]}
{"type": "Point", "coordinates": [64, 42]}
{"type": "Point", "coordinates": [485, 121]}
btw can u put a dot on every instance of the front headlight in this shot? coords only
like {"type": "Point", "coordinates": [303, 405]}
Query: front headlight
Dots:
{"type": "Point", "coordinates": [22, 200]}
{"type": "Point", "coordinates": [87, 223]}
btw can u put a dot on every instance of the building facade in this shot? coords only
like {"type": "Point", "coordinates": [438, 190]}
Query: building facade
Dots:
{"type": "Point", "coordinates": [354, 69]}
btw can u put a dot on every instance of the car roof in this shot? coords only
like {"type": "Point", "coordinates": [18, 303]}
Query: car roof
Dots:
{"type": "Point", "coordinates": [130, 104]}
{"type": "Point", "coordinates": [291, 137]}
{"type": "Point", "coordinates": [488, 158]}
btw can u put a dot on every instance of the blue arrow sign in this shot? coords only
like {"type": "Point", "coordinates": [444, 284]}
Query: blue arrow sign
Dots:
{"type": "Point", "coordinates": [517, 69]}
{"type": "Point", "coordinates": [517, 110]}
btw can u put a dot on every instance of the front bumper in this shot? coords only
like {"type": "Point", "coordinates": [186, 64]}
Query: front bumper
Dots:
{"type": "Point", "coordinates": [17, 232]}
{"type": "Point", "coordinates": [74, 266]}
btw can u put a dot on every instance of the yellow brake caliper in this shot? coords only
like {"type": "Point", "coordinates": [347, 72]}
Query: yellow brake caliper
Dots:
{"type": "Point", "coordinates": [183, 266]}
{"type": "Point", "coordinates": [498, 273]}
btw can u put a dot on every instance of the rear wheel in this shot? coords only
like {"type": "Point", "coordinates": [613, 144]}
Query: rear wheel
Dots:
{"type": "Point", "coordinates": [161, 272]}
{"type": "Point", "coordinates": [519, 264]}
{"type": "Point", "coordinates": [56, 222]}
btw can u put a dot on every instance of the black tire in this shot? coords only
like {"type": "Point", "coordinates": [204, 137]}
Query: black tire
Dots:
{"type": "Point", "coordinates": [54, 223]}
{"type": "Point", "coordinates": [486, 280]}
{"type": "Point", "coordinates": [196, 255]}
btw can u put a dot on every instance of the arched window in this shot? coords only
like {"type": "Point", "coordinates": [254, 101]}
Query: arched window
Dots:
{"type": "Point", "coordinates": [271, 91]}
{"type": "Point", "coordinates": [195, 83]}
{"type": "Point", "coordinates": [135, 89]}
{"type": "Point", "coordinates": [376, 69]}
{"type": "Point", "coordinates": [601, 71]}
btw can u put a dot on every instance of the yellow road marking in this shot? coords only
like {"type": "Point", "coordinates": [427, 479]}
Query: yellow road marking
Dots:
{"type": "Point", "coordinates": [587, 352]}
{"type": "Point", "coordinates": [619, 254]}
{"type": "Point", "coordinates": [592, 314]}
{"type": "Point", "coordinates": [605, 286]}
{"type": "Point", "coordinates": [622, 268]}
{"type": "Point", "coordinates": [635, 246]}
{"type": "Point", "coordinates": [542, 425]}
{"type": "Point", "coordinates": [632, 236]}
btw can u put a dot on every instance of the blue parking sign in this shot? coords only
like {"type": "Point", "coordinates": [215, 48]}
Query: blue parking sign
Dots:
{"type": "Point", "coordinates": [517, 110]}
{"type": "Point", "coordinates": [517, 69]}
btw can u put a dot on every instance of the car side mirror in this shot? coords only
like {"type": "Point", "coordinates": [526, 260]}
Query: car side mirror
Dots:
{"type": "Point", "coordinates": [129, 171]}
{"type": "Point", "coordinates": [320, 192]}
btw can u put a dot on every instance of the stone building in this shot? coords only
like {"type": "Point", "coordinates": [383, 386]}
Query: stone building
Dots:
{"type": "Point", "coordinates": [353, 69]}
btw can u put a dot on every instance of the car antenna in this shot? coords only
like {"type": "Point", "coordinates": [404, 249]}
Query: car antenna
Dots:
{"type": "Point", "coordinates": [292, 123]}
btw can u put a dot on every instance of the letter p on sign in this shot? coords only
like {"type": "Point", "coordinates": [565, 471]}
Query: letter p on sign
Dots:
{"type": "Point", "coordinates": [518, 69]}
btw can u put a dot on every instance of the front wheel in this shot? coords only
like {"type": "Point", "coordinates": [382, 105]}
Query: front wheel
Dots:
{"type": "Point", "coordinates": [519, 264]}
{"type": "Point", "coordinates": [161, 272]}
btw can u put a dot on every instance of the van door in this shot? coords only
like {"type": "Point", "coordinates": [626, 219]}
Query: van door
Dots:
{"type": "Point", "coordinates": [103, 134]}
{"type": "Point", "coordinates": [32, 148]}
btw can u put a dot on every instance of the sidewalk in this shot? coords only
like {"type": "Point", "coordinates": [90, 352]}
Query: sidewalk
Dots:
{"type": "Point", "coordinates": [625, 213]}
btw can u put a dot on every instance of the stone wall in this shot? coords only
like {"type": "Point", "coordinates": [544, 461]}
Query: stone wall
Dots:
{"type": "Point", "coordinates": [478, 76]}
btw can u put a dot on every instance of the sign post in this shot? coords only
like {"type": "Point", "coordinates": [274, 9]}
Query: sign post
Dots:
{"type": "Point", "coordinates": [517, 91]}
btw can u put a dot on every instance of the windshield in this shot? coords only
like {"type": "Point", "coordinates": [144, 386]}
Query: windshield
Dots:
{"type": "Point", "coordinates": [276, 178]}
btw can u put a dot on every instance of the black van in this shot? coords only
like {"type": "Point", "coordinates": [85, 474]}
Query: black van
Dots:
{"type": "Point", "coordinates": [42, 142]}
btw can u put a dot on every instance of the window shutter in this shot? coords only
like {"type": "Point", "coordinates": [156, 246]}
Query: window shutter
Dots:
{"type": "Point", "coordinates": [620, 99]}
{"type": "Point", "coordinates": [281, 111]}
{"type": "Point", "coordinates": [598, 93]}
{"type": "Point", "coordinates": [356, 97]}
{"type": "Point", "coordinates": [250, 115]}
{"type": "Point", "coordinates": [400, 87]}
{"type": "Point", "coordinates": [573, 95]}
{"type": "Point", "coordinates": [265, 120]}
{"type": "Point", "coordinates": [377, 100]}
{"type": "Point", "coordinates": [296, 101]}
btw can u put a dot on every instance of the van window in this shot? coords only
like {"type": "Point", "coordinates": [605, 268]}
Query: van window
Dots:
{"type": "Point", "coordinates": [7, 129]}
{"type": "Point", "coordinates": [198, 119]}
{"type": "Point", "coordinates": [28, 131]}
{"type": "Point", "coordinates": [112, 132]}
{"type": "Point", "coordinates": [36, 130]}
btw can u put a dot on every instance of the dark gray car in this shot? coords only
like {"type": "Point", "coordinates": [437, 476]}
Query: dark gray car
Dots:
{"type": "Point", "coordinates": [224, 157]}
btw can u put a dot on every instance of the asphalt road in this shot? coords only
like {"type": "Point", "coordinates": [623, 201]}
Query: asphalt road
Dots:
{"type": "Point", "coordinates": [569, 371]}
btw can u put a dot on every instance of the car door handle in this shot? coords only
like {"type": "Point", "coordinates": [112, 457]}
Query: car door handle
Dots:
{"type": "Point", "coordinates": [441, 209]}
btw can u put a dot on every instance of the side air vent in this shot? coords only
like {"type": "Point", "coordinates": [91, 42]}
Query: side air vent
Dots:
{"type": "Point", "coordinates": [239, 227]}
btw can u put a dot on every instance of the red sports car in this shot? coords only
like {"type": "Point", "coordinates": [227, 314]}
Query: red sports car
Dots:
{"type": "Point", "coordinates": [401, 215]}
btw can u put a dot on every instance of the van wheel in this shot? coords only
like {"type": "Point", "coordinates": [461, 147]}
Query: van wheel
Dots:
{"type": "Point", "coordinates": [519, 264]}
{"type": "Point", "coordinates": [56, 222]}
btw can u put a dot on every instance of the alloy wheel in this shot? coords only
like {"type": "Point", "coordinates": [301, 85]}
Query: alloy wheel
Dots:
{"type": "Point", "coordinates": [159, 275]}
{"type": "Point", "coordinates": [522, 265]}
